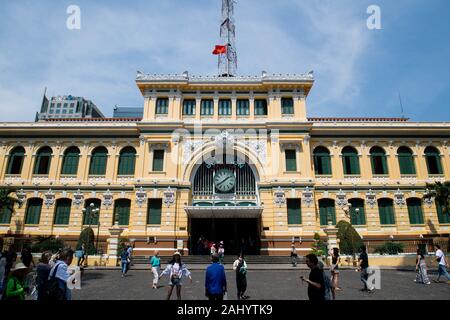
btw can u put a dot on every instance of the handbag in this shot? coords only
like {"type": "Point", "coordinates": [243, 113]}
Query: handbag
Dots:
{"type": "Point", "coordinates": [52, 290]}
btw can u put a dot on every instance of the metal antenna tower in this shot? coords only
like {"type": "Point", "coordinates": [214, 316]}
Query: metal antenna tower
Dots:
{"type": "Point", "coordinates": [228, 61]}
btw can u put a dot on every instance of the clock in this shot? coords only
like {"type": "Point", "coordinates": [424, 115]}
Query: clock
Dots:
{"type": "Point", "coordinates": [224, 180]}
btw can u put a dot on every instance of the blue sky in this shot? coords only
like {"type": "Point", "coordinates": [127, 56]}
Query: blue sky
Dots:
{"type": "Point", "coordinates": [358, 71]}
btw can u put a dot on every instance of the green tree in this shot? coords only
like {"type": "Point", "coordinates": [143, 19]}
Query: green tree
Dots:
{"type": "Point", "coordinates": [441, 194]}
{"type": "Point", "coordinates": [87, 238]}
{"type": "Point", "coordinates": [349, 239]}
{"type": "Point", "coordinates": [390, 247]}
{"type": "Point", "coordinates": [8, 201]}
{"type": "Point", "coordinates": [47, 244]}
{"type": "Point", "coordinates": [319, 248]}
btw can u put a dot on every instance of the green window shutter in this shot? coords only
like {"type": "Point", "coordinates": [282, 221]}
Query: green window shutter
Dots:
{"type": "Point", "coordinates": [322, 163]}
{"type": "Point", "coordinates": [162, 106]}
{"type": "Point", "coordinates": [158, 160]}
{"type": "Point", "coordinates": [225, 107]}
{"type": "Point", "coordinates": [354, 164]}
{"type": "Point", "coordinates": [386, 211]}
{"type": "Point", "coordinates": [70, 162]}
{"type": "Point", "coordinates": [243, 107]}
{"type": "Point", "coordinates": [15, 161]}
{"type": "Point", "coordinates": [189, 107]}
{"type": "Point", "coordinates": [127, 162]}
{"type": "Point", "coordinates": [99, 160]}
{"type": "Point", "coordinates": [5, 215]}
{"type": "Point", "coordinates": [91, 219]}
{"type": "Point", "coordinates": [357, 219]}
{"type": "Point", "coordinates": [443, 217]}
{"type": "Point", "coordinates": [62, 212]}
{"type": "Point", "coordinates": [261, 107]}
{"type": "Point", "coordinates": [207, 108]}
{"type": "Point", "coordinates": [33, 213]}
{"type": "Point", "coordinates": [326, 210]}
{"type": "Point", "coordinates": [294, 211]}
{"type": "Point", "coordinates": [434, 164]}
{"type": "Point", "coordinates": [154, 211]}
{"type": "Point", "coordinates": [43, 161]}
{"type": "Point", "coordinates": [122, 212]}
{"type": "Point", "coordinates": [415, 211]}
{"type": "Point", "coordinates": [406, 161]}
{"type": "Point", "coordinates": [287, 106]}
{"type": "Point", "coordinates": [291, 160]}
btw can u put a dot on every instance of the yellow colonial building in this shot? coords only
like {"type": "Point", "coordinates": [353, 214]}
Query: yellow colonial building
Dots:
{"type": "Point", "coordinates": [224, 158]}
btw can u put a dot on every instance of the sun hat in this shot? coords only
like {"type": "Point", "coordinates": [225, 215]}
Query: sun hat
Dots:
{"type": "Point", "coordinates": [19, 266]}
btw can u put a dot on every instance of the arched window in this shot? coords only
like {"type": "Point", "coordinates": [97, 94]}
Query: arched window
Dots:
{"type": "Point", "coordinates": [350, 161]}
{"type": "Point", "coordinates": [91, 217]}
{"type": "Point", "coordinates": [99, 159]}
{"type": "Point", "coordinates": [406, 161]}
{"type": "Point", "coordinates": [5, 215]}
{"type": "Point", "coordinates": [443, 217]}
{"type": "Point", "coordinates": [127, 161]}
{"type": "Point", "coordinates": [62, 211]}
{"type": "Point", "coordinates": [322, 161]}
{"type": "Point", "coordinates": [43, 160]}
{"type": "Point", "coordinates": [122, 211]}
{"type": "Point", "coordinates": [378, 160]}
{"type": "Point", "coordinates": [15, 160]}
{"type": "Point", "coordinates": [33, 211]}
{"type": "Point", "coordinates": [327, 211]}
{"type": "Point", "coordinates": [415, 211]}
{"type": "Point", "coordinates": [70, 161]}
{"type": "Point", "coordinates": [433, 158]}
{"type": "Point", "coordinates": [357, 214]}
{"type": "Point", "coordinates": [386, 211]}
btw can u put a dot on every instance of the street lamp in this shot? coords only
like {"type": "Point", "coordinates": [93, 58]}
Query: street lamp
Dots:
{"type": "Point", "coordinates": [91, 211]}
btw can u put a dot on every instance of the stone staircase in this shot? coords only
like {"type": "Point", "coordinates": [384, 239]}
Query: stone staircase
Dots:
{"type": "Point", "coordinates": [141, 261]}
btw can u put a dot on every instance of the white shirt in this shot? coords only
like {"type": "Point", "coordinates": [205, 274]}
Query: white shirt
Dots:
{"type": "Point", "coordinates": [62, 272]}
{"type": "Point", "coordinates": [441, 255]}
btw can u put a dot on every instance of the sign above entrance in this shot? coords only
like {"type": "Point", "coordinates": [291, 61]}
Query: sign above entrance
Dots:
{"type": "Point", "coordinates": [224, 212]}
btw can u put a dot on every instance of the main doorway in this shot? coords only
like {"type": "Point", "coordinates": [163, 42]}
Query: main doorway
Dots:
{"type": "Point", "coordinates": [238, 234]}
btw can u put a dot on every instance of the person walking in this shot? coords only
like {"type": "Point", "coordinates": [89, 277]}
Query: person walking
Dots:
{"type": "Point", "coordinates": [421, 269]}
{"type": "Point", "coordinates": [79, 254]}
{"type": "Point", "coordinates": [213, 250]}
{"type": "Point", "coordinates": [215, 280]}
{"type": "Point", "coordinates": [240, 267]}
{"type": "Point", "coordinates": [363, 268]}
{"type": "Point", "coordinates": [334, 269]}
{"type": "Point", "coordinates": [316, 283]}
{"type": "Point", "coordinates": [61, 274]}
{"type": "Point", "coordinates": [42, 273]}
{"type": "Point", "coordinates": [221, 252]}
{"type": "Point", "coordinates": [15, 283]}
{"type": "Point", "coordinates": [442, 261]}
{"type": "Point", "coordinates": [130, 253]}
{"type": "Point", "coordinates": [176, 270]}
{"type": "Point", "coordinates": [155, 262]}
{"type": "Point", "coordinates": [293, 255]}
{"type": "Point", "coordinates": [124, 261]}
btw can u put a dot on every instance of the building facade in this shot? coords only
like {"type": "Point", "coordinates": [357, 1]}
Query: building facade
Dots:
{"type": "Point", "coordinates": [226, 158]}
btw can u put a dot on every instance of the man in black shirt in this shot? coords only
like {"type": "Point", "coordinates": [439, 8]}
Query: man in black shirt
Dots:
{"type": "Point", "coordinates": [316, 285]}
{"type": "Point", "coordinates": [363, 266]}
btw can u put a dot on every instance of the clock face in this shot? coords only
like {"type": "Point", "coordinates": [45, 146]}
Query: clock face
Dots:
{"type": "Point", "coordinates": [224, 180]}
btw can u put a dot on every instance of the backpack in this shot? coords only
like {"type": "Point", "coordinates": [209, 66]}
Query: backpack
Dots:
{"type": "Point", "coordinates": [328, 286]}
{"type": "Point", "coordinates": [52, 290]}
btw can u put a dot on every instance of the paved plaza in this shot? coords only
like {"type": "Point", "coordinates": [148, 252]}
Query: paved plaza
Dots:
{"type": "Point", "coordinates": [262, 285]}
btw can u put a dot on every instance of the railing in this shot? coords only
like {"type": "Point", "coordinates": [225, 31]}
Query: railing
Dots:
{"type": "Point", "coordinates": [411, 246]}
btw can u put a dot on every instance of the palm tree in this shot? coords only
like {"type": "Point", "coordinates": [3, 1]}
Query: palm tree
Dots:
{"type": "Point", "coordinates": [441, 193]}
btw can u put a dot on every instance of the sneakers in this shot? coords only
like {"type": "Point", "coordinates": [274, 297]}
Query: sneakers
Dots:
{"type": "Point", "coordinates": [428, 283]}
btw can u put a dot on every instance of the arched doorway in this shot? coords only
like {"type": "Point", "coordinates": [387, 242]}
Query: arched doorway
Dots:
{"type": "Point", "coordinates": [225, 206]}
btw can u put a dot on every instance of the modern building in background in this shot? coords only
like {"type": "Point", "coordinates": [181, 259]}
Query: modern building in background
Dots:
{"type": "Point", "coordinates": [233, 159]}
{"type": "Point", "coordinates": [65, 107]}
{"type": "Point", "coordinates": [128, 112]}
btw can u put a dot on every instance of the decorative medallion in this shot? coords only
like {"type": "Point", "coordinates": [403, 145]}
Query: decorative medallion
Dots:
{"type": "Point", "coordinates": [279, 198]}
{"type": "Point", "coordinates": [141, 196]}
{"type": "Point", "coordinates": [371, 198]}
{"type": "Point", "coordinates": [107, 199]}
{"type": "Point", "coordinates": [49, 198]}
{"type": "Point", "coordinates": [399, 198]}
{"type": "Point", "coordinates": [308, 197]}
{"type": "Point", "coordinates": [341, 198]}
{"type": "Point", "coordinates": [78, 198]}
{"type": "Point", "coordinates": [169, 197]}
